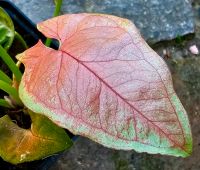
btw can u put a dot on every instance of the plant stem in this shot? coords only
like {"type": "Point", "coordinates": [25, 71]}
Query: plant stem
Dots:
{"type": "Point", "coordinates": [10, 63]}
{"type": "Point", "coordinates": [11, 91]}
{"type": "Point", "coordinates": [21, 39]}
{"type": "Point", "coordinates": [5, 78]}
{"type": "Point", "coordinates": [4, 103]}
{"type": "Point", "coordinates": [58, 7]}
{"type": "Point", "coordinates": [56, 13]}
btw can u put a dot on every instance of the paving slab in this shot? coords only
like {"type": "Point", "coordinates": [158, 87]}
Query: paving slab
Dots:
{"type": "Point", "coordinates": [157, 20]}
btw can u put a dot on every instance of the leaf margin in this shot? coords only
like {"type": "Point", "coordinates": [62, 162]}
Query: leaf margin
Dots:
{"type": "Point", "coordinates": [170, 151]}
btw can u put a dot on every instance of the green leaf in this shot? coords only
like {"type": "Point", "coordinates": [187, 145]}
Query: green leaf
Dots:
{"type": "Point", "coordinates": [43, 139]}
{"type": "Point", "coordinates": [7, 32]}
{"type": "Point", "coordinates": [11, 91]}
{"type": "Point", "coordinates": [4, 103]}
{"type": "Point", "coordinates": [18, 46]}
{"type": "Point", "coordinates": [5, 78]}
{"type": "Point", "coordinates": [10, 63]}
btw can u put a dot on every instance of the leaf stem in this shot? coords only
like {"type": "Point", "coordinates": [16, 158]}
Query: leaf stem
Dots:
{"type": "Point", "coordinates": [5, 78]}
{"type": "Point", "coordinates": [11, 91]}
{"type": "Point", "coordinates": [21, 39]}
{"type": "Point", "coordinates": [4, 103]}
{"type": "Point", "coordinates": [56, 13]}
{"type": "Point", "coordinates": [10, 63]}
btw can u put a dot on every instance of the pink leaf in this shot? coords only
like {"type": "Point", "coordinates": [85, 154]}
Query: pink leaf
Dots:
{"type": "Point", "coordinates": [107, 84]}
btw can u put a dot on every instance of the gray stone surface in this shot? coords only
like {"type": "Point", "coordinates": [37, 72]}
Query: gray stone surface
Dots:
{"type": "Point", "coordinates": [156, 19]}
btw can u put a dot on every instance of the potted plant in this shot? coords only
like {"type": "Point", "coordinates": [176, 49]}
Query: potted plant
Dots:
{"type": "Point", "coordinates": [103, 82]}
{"type": "Point", "coordinates": [17, 34]}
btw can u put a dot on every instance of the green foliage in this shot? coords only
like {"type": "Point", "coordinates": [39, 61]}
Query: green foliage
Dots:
{"type": "Point", "coordinates": [11, 91]}
{"type": "Point", "coordinates": [4, 103]}
{"type": "Point", "coordinates": [19, 145]}
{"type": "Point", "coordinates": [6, 30]}
{"type": "Point", "coordinates": [5, 78]}
{"type": "Point", "coordinates": [10, 63]}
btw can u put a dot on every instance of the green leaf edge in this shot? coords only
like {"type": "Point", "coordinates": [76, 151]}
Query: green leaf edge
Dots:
{"type": "Point", "coordinates": [31, 103]}
{"type": "Point", "coordinates": [5, 78]}
{"type": "Point", "coordinates": [11, 91]}
{"type": "Point", "coordinates": [11, 159]}
{"type": "Point", "coordinates": [4, 103]}
{"type": "Point", "coordinates": [7, 59]}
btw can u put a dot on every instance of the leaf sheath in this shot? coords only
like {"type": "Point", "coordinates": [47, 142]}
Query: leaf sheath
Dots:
{"type": "Point", "coordinates": [11, 91]}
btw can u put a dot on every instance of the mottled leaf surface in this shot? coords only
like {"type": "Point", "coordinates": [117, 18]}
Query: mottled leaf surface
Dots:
{"type": "Point", "coordinates": [6, 29]}
{"type": "Point", "coordinates": [19, 145]}
{"type": "Point", "coordinates": [107, 84]}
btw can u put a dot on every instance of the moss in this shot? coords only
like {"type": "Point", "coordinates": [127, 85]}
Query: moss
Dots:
{"type": "Point", "coordinates": [137, 161]}
{"type": "Point", "coordinates": [120, 163]}
{"type": "Point", "coordinates": [147, 162]}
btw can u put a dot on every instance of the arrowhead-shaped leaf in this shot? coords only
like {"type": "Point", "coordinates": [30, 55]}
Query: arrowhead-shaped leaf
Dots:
{"type": "Point", "coordinates": [107, 84]}
{"type": "Point", "coordinates": [6, 29]}
{"type": "Point", "coordinates": [19, 145]}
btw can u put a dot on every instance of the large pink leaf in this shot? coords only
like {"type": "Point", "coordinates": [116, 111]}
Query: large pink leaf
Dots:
{"type": "Point", "coordinates": [107, 84]}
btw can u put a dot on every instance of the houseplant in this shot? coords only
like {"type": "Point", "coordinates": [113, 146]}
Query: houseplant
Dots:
{"type": "Point", "coordinates": [28, 37]}
{"type": "Point", "coordinates": [104, 82]}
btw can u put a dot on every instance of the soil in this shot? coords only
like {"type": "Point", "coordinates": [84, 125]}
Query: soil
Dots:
{"type": "Point", "coordinates": [185, 69]}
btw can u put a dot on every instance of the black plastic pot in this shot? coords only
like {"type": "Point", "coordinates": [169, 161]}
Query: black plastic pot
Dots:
{"type": "Point", "coordinates": [23, 24]}
{"type": "Point", "coordinates": [29, 32]}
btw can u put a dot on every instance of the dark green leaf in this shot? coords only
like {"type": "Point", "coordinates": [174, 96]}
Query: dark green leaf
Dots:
{"type": "Point", "coordinates": [6, 29]}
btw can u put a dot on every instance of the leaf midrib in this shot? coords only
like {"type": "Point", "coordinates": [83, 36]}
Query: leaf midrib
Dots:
{"type": "Point", "coordinates": [123, 99]}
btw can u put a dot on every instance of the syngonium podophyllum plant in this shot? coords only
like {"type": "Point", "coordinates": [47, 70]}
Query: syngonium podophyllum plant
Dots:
{"type": "Point", "coordinates": [19, 142]}
{"type": "Point", "coordinates": [104, 82]}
